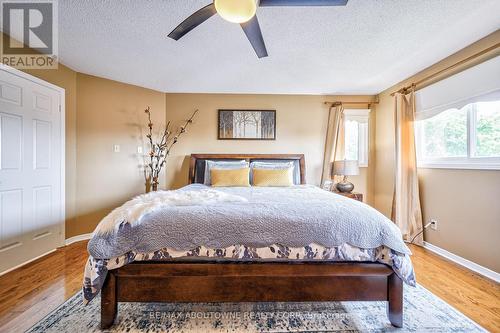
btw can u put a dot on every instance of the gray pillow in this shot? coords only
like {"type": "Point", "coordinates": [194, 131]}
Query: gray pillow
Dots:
{"type": "Point", "coordinates": [271, 165]}
{"type": "Point", "coordinates": [221, 165]}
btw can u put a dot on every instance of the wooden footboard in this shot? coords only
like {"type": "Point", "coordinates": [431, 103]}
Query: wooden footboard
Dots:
{"type": "Point", "coordinates": [251, 282]}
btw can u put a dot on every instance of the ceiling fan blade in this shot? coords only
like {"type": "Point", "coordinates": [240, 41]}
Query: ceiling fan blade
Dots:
{"type": "Point", "coordinates": [268, 3]}
{"type": "Point", "coordinates": [254, 35]}
{"type": "Point", "coordinates": [193, 21]}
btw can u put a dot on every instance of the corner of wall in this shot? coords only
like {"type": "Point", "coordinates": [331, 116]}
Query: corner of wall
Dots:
{"type": "Point", "coordinates": [437, 186]}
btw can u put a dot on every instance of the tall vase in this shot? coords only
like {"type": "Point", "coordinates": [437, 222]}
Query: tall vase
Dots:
{"type": "Point", "coordinates": [151, 184]}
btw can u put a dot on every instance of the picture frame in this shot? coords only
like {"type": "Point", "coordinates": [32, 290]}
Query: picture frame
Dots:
{"type": "Point", "coordinates": [236, 124]}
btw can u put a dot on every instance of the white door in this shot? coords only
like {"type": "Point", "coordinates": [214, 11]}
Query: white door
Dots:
{"type": "Point", "coordinates": [31, 168]}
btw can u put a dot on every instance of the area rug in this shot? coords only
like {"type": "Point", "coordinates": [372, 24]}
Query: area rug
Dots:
{"type": "Point", "coordinates": [423, 312]}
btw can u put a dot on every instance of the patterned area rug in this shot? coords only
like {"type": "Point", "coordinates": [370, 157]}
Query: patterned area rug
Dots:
{"type": "Point", "coordinates": [423, 312]}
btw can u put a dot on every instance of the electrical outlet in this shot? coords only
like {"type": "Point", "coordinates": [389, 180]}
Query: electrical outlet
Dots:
{"type": "Point", "coordinates": [434, 224]}
{"type": "Point", "coordinates": [116, 148]}
{"type": "Point", "coordinates": [139, 150]}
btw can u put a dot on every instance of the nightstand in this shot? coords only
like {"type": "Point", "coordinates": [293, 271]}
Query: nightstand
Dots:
{"type": "Point", "coordinates": [352, 195]}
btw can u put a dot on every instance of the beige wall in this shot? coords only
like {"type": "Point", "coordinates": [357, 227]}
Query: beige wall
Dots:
{"type": "Point", "coordinates": [109, 113]}
{"type": "Point", "coordinates": [466, 205]}
{"type": "Point", "coordinates": [301, 128]}
{"type": "Point", "coordinates": [462, 201]}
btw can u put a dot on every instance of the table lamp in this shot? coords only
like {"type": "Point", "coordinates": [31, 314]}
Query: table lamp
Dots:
{"type": "Point", "coordinates": [345, 168]}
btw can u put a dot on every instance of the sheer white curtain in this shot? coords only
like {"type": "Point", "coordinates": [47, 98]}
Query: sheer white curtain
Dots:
{"type": "Point", "coordinates": [406, 210]}
{"type": "Point", "coordinates": [333, 140]}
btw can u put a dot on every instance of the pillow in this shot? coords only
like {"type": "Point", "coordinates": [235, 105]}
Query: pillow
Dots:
{"type": "Point", "coordinates": [221, 165]}
{"type": "Point", "coordinates": [230, 177]}
{"type": "Point", "coordinates": [271, 165]}
{"type": "Point", "coordinates": [273, 177]}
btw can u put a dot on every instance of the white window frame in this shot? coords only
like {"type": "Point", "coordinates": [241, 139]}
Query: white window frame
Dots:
{"type": "Point", "coordinates": [362, 117]}
{"type": "Point", "coordinates": [470, 161]}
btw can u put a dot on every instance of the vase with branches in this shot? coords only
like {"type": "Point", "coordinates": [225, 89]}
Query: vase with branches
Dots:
{"type": "Point", "coordinates": [160, 148]}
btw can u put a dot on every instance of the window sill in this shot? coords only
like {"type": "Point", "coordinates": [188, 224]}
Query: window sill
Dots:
{"type": "Point", "coordinates": [460, 166]}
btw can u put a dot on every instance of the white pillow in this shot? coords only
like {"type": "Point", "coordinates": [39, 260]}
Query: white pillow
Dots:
{"type": "Point", "coordinates": [221, 165]}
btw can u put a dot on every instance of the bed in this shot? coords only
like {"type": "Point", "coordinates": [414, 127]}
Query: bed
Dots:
{"type": "Point", "coordinates": [158, 277]}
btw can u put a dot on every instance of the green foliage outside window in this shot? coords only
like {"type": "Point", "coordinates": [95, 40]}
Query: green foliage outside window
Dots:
{"type": "Point", "coordinates": [445, 135]}
{"type": "Point", "coordinates": [488, 130]}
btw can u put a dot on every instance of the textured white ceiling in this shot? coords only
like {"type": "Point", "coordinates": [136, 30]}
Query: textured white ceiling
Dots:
{"type": "Point", "coordinates": [362, 48]}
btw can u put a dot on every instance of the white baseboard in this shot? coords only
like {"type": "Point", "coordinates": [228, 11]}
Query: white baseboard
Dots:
{"type": "Point", "coordinates": [464, 262]}
{"type": "Point", "coordinates": [78, 238]}
{"type": "Point", "coordinates": [26, 262]}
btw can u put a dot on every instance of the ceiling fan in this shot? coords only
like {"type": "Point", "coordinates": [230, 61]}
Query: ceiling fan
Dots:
{"type": "Point", "coordinates": [243, 13]}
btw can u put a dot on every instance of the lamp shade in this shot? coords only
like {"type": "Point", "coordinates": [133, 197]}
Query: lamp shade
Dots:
{"type": "Point", "coordinates": [345, 168]}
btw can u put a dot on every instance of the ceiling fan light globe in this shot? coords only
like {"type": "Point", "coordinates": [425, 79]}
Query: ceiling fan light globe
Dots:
{"type": "Point", "coordinates": [236, 11]}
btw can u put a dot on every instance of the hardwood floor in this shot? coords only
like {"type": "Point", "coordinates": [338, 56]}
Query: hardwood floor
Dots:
{"type": "Point", "coordinates": [470, 293]}
{"type": "Point", "coordinates": [31, 292]}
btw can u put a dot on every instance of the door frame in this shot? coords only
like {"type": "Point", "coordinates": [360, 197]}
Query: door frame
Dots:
{"type": "Point", "coordinates": [62, 108]}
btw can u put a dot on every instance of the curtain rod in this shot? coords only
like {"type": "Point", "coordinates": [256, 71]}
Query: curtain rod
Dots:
{"type": "Point", "coordinates": [420, 83]}
{"type": "Point", "coordinates": [336, 103]}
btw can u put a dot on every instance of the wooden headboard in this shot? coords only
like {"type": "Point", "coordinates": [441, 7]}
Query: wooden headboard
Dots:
{"type": "Point", "coordinates": [194, 163]}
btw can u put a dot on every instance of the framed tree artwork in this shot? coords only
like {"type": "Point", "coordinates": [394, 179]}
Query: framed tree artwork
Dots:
{"type": "Point", "coordinates": [247, 125]}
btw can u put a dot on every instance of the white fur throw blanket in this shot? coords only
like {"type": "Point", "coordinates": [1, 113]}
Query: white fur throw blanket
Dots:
{"type": "Point", "coordinates": [134, 210]}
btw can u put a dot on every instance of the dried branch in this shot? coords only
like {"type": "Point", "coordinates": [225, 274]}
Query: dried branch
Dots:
{"type": "Point", "coordinates": [160, 150]}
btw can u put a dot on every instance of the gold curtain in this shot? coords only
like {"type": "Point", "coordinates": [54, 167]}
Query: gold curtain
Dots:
{"type": "Point", "coordinates": [333, 141]}
{"type": "Point", "coordinates": [406, 210]}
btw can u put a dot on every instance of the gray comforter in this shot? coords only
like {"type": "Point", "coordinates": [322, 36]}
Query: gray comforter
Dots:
{"type": "Point", "coordinates": [293, 216]}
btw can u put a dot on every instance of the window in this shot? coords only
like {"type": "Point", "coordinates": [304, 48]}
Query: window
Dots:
{"type": "Point", "coordinates": [458, 120]}
{"type": "Point", "coordinates": [486, 129]}
{"type": "Point", "coordinates": [461, 138]}
{"type": "Point", "coordinates": [356, 135]}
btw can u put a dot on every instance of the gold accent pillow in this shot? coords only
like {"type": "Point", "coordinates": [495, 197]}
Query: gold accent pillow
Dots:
{"type": "Point", "coordinates": [272, 177]}
{"type": "Point", "coordinates": [230, 177]}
